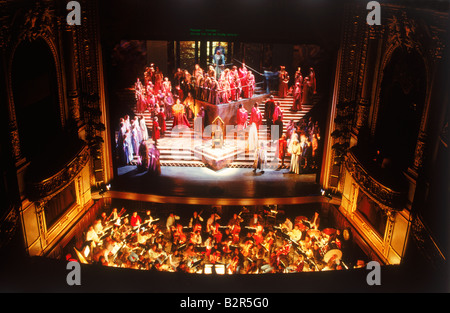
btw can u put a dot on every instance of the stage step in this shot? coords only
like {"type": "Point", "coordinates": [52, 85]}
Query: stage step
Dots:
{"type": "Point", "coordinates": [186, 158]}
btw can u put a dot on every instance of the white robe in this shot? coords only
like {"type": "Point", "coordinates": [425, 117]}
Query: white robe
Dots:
{"type": "Point", "coordinates": [295, 159]}
{"type": "Point", "coordinates": [144, 129]}
{"type": "Point", "coordinates": [253, 138]}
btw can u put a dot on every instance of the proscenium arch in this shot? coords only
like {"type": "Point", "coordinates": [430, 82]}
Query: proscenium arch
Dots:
{"type": "Point", "coordinates": [36, 91]}
{"type": "Point", "coordinates": [395, 55]}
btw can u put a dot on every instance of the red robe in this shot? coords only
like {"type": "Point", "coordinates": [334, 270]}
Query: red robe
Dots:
{"type": "Point", "coordinates": [241, 118]}
{"type": "Point", "coordinates": [256, 117]}
{"type": "Point", "coordinates": [282, 148]}
{"type": "Point", "coordinates": [243, 74]}
{"type": "Point", "coordinates": [297, 106]}
{"type": "Point", "coordinates": [156, 131]}
{"type": "Point", "coordinates": [162, 122]}
{"type": "Point", "coordinates": [180, 119]}
{"type": "Point", "coordinates": [277, 113]}
{"type": "Point", "coordinates": [283, 85]}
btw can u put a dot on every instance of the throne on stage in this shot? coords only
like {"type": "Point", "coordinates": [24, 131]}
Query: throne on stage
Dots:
{"type": "Point", "coordinates": [217, 133]}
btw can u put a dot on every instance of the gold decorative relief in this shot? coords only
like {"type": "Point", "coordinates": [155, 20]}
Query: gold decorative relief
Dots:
{"type": "Point", "coordinates": [388, 199]}
{"type": "Point", "coordinates": [41, 191]}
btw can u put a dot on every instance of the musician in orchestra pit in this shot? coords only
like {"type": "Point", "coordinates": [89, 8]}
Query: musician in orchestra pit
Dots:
{"type": "Point", "coordinates": [196, 238]}
{"type": "Point", "coordinates": [91, 235]}
{"type": "Point", "coordinates": [287, 225]}
{"type": "Point", "coordinates": [98, 227]}
{"type": "Point", "coordinates": [149, 218]}
{"type": "Point", "coordinates": [215, 255]}
{"type": "Point", "coordinates": [254, 221]}
{"type": "Point", "coordinates": [300, 263]}
{"type": "Point", "coordinates": [114, 215]}
{"type": "Point", "coordinates": [258, 235]}
{"type": "Point", "coordinates": [269, 241]}
{"type": "Point", "coordinates": [135, 220]}
{"type": "Point", "coordinates": [125, 227]}
{"type": "Point", "coordinates": [209, 243]}
{"type": "Point", "coordinates": [178, 236]}
{"type": "Point", "coordinates": [235, 220]}
{"type": "Point", "coordinates": [171, 220]}
{"type": "Point", "coordinates": [315, 221]}
{"type": "Point", "coordinates": [236, 262]}
{"type": "Point", "coordinates": [104, 219]}
{"type": "Point", "coordinates": [154, 253]}
{"type": "Point", "coordinates": [295, 234]}
{"type": "Point", "coordinates": [317, 255]}
{"type": "Point", "coordinates": [212, 221]}
{"type": "Point", "coordinates": [234, 225]}
{"type": "Point", "coordinates": [175, 259]}
{"type": "Point", "coordinates": [195, 219]}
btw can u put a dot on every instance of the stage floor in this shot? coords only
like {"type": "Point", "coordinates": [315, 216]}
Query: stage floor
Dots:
{"type": "Point", "coordinates": [228, 185]}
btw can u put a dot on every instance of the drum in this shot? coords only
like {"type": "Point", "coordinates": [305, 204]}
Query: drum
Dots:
{"type": "Point", "coordinates": [332, 253]}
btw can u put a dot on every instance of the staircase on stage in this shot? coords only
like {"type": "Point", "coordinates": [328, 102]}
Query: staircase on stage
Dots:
{"type": "Point", "coordinates": [185, 149]}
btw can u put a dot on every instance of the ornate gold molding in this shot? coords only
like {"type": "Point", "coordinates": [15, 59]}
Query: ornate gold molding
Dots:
{"type": "Point", "coordinates": [46, 189]}
{"type": "Point", "coordinates": [389, 200]}
{"type": "Point", "coordinates": [38, 22]}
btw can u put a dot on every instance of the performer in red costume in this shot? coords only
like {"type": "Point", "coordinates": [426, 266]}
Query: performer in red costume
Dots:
{"type": "Point", "coordinates": [256, 116]}
{"type": "Point", "coordinates": [179, 115]}
{"type": "Point", "coordinates": [282, 149]}
{"type": "Point", "coordinates": [156, 134]}
{"type": "Point", "coordinates": [162, 121]}
{"type": "Point", "coordinates": [297, 105]}
{"type": "Point", "coordinates": [225, 93]}
{"type": "Point", "coordinates": [241, 119]}
{"type": "Point", "coordinates": [277, 113]}
{"type": "Point", "coordinates": [251, 85]}
{"type": "Point", "coordinates": [312, 79]}
{"type": "Point", "coordinates": [243, 76]}
{"type": "Point", "coordinates": [283, 83]}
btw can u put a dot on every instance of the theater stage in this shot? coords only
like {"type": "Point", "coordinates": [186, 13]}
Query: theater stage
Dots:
{"type": "Point", "coordinates": [229, 186]}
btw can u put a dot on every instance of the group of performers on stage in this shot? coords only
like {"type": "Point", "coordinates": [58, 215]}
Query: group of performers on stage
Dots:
{"type": "Point", "coordinates": [300, 142]}
{"type": "Point", "coordinates": [302, 88]}
{"type": "Point", "coordinates": [214, 85]}
{"type": "Point", "coordinates": [157, 95]}
{"type": "Point", "coordinates": [133, 147]}
{"type": "Point", "coordinates": [248, 243]}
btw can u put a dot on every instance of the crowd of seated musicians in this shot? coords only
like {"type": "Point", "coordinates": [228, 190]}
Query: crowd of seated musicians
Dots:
{"type": "Point", "coordinates": [253, 246]}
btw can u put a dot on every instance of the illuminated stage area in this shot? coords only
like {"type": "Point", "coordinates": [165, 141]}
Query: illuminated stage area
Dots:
{"type": "Point", "coordinates": [228, 183]}
{"type": "Point", "coordinates": [216, 158]}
